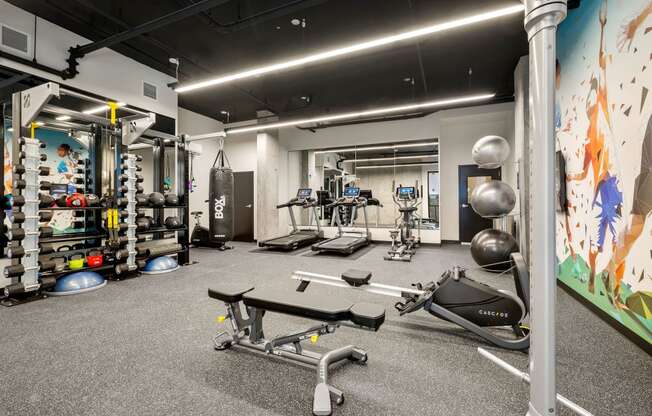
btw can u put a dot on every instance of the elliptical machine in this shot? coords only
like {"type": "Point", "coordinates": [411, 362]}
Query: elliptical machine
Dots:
{"type": "Point", "coordinates": [404, 242]}
{"type": "Point", "coordinates": [455, 297]}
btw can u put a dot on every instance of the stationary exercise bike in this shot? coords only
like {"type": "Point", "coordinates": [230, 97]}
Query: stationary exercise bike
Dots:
{"type": "Point", "coordinates": [200, 236]}
{"type": "Point", "coordinates": [455, 297]}
{"type": "Point", "coordinates": [404, 241]}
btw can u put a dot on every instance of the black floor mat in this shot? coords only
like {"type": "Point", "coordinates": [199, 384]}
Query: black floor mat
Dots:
{"type": "Point", "coordinates": [354, 256]}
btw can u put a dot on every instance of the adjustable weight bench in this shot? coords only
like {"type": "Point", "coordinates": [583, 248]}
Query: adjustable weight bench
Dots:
{"type": "Point", "coordinates": [247, 332]}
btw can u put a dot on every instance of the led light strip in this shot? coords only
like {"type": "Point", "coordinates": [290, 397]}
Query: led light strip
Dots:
{"type": "Point", "coordinates": [360, 149]}
{"type": "Point", "coordinates": [103, 108]}
{"type": "Point", "coordinates": [396, 166]}
{"type": "Point", "coordinates": [387, 40]}
{"type": "Point", "coordinates": [381, 159]}
{"type": "Point", "coordinates": [345, 116]}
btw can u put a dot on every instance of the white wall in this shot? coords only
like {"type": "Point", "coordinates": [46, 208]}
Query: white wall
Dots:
{"type": "Point", "coordinates": [458, 134]}
{"type": "Point", "coordinates": [104, 72]}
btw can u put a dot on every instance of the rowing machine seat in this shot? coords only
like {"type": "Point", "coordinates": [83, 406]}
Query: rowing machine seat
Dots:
{"type": "Point", "coordinates": [230, 293]}
{"type": "Point", "coordinates": [356, 277]}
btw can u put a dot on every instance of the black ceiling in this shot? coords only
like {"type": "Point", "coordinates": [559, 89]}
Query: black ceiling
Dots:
{"type": "Point", "coordinates": [241, 34]}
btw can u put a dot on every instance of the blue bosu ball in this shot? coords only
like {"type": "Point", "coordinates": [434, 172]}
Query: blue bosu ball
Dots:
{"type": "Point", "coordinates": [159, 265]}
{"type": "Point", "coordinates": [78, 282]}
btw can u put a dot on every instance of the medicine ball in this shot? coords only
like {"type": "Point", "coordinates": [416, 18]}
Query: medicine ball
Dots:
{"type": "Point", "coordinates": [76, 200]}
{"type": "Point", "coordinates": [171, 199]}
{"type": "Point", "coordinates": [92, 200]}
{"type": "Point", "coordinates": [61, 201]}
{"type": "Point", "coordinates": [172, 222]}
{"type": "Point", "coordinates": [141, 200]}
{"type": "Point", "coordinates": [142, 224]}
{"type": "Point", "coordinates": [156, 199]}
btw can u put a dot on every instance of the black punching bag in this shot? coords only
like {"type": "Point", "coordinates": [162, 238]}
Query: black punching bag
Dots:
{"type": "Point", "coordinates": [220, 200]}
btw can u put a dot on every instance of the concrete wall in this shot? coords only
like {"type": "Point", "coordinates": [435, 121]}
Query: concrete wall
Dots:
{"type": "Point", "coordinates": [103, 72]}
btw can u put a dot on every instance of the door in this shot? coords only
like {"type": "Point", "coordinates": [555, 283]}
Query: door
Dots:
{"type": "Point", "coordinates": [471, 223]}
{"type": "Point", "coordinates": [243, 216]}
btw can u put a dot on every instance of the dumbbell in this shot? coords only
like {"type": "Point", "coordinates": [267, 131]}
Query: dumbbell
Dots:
{"type": "Point", "coordinates": [18, 269]}
{"type": "Point", "coordinates": [20, 169]}
{"type": "Point", "coordinates": [78, 181]}
{"type": "Point", "coordinates": [122, 254]}
{"type": "Point", "coordinates": [21, 142]}
{"type": "Point", "coordinates": [14, 252]}
{"type": "Point", "coordinates": [42, 157]}
{"type": "Point", "coordinates": [22, 184]}
{"type": "Point", "coordinates": [125, 156]}
{"type": "Point", "coordinates": [123, 268]}
{"type": "Point", "coordinates": [19, 217]}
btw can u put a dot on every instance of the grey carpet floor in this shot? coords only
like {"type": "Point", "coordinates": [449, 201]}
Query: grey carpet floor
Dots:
{"type": "Point", "coordinates": [143, 347]}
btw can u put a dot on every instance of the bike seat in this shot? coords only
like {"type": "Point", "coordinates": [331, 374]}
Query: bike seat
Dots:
{"type": "Point", "coordinates": [196, 213]}
{"type": "Point", "coordinates": [407, 209]}
{"type": "Point", "coordinates": [356, 277]}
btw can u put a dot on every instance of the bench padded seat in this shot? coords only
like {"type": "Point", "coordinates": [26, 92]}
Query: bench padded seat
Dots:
{"type": "Point", "coordinates": [229, 292]}
{"type": "Point", "coordinates": [316, 307]}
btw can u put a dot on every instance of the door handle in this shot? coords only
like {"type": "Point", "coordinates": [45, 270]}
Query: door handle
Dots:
{"type": "Point", "coordinates": [248, 206]}
{"type": "Point", "coordinates": [465, 205]}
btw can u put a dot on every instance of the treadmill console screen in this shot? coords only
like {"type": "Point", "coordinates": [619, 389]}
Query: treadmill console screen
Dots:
{"type": "Point", "coordinates": [351, 192]}
{"type": "Point", "coordinates": [406, 192]}
{"type": "Point", "coordinates": [304, 193]}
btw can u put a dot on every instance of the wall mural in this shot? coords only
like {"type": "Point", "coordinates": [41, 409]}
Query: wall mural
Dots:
{"type": "Point", "coordinates": [62, 153]}
{"type": "Point", "coordinates": [604, 129]}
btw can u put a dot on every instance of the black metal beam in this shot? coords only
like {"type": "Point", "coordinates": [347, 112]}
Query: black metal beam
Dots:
{"type": "Point", "coordinates": [13, 80]}
{"type": "Point", "coordinates": [78, 52]}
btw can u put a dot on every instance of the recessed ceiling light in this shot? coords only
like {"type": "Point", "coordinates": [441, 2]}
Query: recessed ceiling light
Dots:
{"type": "Point", "coordinates": [381, 159]}
{"type": "Point", "coordinates": [365, 148]}
{"type": "Point", "coordinates": [358, 47]}
{"type": "Point", "coordinates": [63, 118]}
{"type": "Point", "coordinates": [407, 79]}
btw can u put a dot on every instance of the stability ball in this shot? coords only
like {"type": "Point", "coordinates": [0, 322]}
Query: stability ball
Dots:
{"type": "Point", "coordinates": [78, 282]}
{"type": "Point", "coordinates": [493, 246]}
{"type": "Point", "coordinates": [160, 265]}
{"type": "Point", "coordinates": [493, 199]}
{"type": "Point", "coordinates": [490, 152]}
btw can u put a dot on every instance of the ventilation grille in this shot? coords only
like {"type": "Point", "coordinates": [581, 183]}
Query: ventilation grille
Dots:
{"type": "Point", "coordinates": [149, 90]}
{"type": "Point", "coordinates": [15, 40]}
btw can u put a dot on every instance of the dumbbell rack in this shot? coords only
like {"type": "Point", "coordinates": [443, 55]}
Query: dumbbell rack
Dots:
{"type": "Point", "coordinates": [129, 168]}
{"type": "Point", "coordinates": [30, 243]}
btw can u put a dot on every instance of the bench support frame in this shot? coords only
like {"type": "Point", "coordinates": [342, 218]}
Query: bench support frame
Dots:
{"type": "Point", "coordinates": [247, 333]}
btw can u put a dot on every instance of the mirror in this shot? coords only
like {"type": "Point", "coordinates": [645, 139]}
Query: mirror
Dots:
{"type": "Point", "coordinates": [378, 170]}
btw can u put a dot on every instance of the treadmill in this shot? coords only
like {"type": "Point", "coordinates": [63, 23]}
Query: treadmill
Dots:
{"type": "Point", "coordinates": [297, 238]}
{"type": "Point", "coordinates": [346, 242]}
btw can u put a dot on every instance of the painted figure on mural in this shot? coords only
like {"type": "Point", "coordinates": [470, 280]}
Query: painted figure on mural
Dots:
{"type": "Point", "coordinates": [607, 197]}
{"type": "Point", "coordinates": [642, 201]}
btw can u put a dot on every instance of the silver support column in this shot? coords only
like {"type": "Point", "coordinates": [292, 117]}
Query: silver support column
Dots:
{"type": "Point", "coordinates": [541, 20]}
